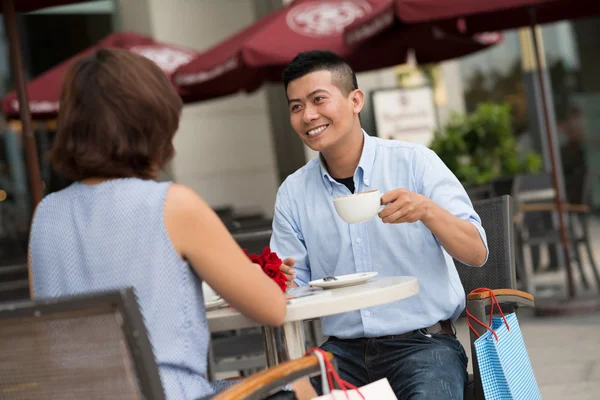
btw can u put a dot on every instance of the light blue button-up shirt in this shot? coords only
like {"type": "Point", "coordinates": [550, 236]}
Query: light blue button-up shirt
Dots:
{"type": "Point", "coordinates": [307, 228]}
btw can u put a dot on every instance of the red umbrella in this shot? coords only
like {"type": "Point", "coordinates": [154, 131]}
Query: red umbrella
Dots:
{"type": "Point", "coordinates": [44, 91]}
{"type": "Point", "coordinates": [479, 16]}
{"type": "Point", "coordinates": [259, 53]}
{"type": "Point", "coordinates": [31, 5]}
{"type": "Point", "coordinates": [488, 15]}
{"type": "Point", "coordinates": [9, 8]}
{"type": "Point", "coordinates": [475, 16]}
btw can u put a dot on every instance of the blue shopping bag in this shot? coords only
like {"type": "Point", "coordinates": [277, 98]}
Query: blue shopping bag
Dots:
{"type": "Point", "coordinates": [504, 365]}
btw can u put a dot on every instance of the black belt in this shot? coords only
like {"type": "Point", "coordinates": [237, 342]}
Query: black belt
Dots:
{"type": "Point", "coordinates": [443, 327]}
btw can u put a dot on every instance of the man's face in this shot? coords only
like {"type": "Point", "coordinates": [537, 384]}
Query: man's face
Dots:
{"type": "Point", "coordinates": [320, 113]}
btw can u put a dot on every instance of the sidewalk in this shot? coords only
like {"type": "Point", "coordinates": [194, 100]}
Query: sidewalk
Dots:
{"type": "Point", "coordinates": [564, 351]}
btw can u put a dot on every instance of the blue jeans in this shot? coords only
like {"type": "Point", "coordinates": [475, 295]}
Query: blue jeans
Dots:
{"type": "Point", "coordinates": [418, 366]}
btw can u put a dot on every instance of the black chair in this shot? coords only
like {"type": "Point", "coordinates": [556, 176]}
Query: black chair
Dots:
{"type": "Point", "coordinates": [253, 240]}
{"type": "Point", "coordinates": [480, 192]}
{"type": "Point", "coordinates": [534, 195]}
{"type": "Point", "coordinates": [93, 346]}
{"type": "Point", "coordinates": [14, 277]}
{"type": "Point", "coordinates": [498, 274]}
{"type": "Point", "coordinates": [502, 186]}
{"type": "Point", "coordinates": [535, 229]}
{"type": "Point", "coordinates": [14, 282]}
{"type": "Point", "coordinates": [96, 347]}
{"type": "Point", "coordinates": [245, 223]}
{"type": "Point", "coordinates": [578, 210]}
{"type": "Point", "coordinates": [241, 350]}
{"type": "Point", "coordinates": [227, 216]}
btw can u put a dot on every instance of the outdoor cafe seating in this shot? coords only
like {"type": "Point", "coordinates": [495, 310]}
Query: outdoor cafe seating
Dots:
{"type": "Point", "coordinates": [98, 344]}
{"type": "Point", "coordinates": [499, 272]}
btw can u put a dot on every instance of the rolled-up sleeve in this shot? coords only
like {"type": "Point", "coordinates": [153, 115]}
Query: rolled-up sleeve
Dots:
{"type": "Point", "coordinates": [439, 184]}
{"type": "Point", "coordinates": [287, 240]}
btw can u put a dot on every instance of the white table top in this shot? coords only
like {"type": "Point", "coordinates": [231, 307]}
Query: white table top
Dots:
{"type": "Point", "coordinates": [332, 301]}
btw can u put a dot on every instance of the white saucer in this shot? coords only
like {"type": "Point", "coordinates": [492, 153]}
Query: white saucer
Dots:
{"type": "Point", "coordinates": [344, 280]}
{"type": "Point", "coordinates": [214, 304]}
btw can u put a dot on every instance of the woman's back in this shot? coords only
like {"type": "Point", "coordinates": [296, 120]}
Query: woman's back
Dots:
{"type": "Point", "coordinates": [115, 227]}
{"type": "Point", "coordinates": [89, 238]}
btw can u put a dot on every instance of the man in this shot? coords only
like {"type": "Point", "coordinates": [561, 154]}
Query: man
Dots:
{"type": "Point", "coordinates": [428, 219]}
{"type": "Point", "coordinates": [573, 156]}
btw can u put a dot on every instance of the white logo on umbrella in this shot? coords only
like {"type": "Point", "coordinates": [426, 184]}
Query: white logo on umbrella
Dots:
{"type": "Point", "coordinates": [43, 106]}
{"type": "Point", "coordinates": [325, 18]}
{"type": "Point", "coordinates": [168, 59]}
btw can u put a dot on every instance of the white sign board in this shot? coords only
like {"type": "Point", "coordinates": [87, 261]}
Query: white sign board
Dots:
{"type": "Point", "coordinates": [405, 114]}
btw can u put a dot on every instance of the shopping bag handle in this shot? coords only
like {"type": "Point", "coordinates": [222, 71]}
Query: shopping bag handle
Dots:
{"type": "Point", "coordinates": [332, 375]}
{"type": "Point", "coordinates": [495, 302]}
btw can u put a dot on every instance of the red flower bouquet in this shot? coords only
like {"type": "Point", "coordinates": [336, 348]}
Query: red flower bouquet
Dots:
{"type": "Point", "coordinates": [270, 264]}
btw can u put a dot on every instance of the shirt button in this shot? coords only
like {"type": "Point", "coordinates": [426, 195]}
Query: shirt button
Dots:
{"type": "Point", "coordinates": [367, 313]}
{"type": "Point", "coordinates": [358, 240]}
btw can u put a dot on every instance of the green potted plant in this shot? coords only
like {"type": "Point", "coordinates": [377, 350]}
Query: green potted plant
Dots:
{"type": "Point", "coordinates": [481, 147]}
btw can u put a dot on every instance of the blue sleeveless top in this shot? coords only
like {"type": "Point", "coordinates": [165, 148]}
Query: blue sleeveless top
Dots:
{"type": "Point", "coordinates": [112, 235]}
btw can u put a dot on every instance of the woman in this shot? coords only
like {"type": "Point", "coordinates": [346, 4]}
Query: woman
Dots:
{"type": "Point", "coordinates": [115, 227]}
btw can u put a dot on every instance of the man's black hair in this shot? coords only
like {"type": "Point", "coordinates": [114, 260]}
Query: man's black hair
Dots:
{"type": "Point", "coordinates": [319, 60]}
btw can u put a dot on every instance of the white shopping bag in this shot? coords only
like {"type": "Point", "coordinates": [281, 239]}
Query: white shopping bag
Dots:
{"type": "Point", "coordinates": [378, 390]}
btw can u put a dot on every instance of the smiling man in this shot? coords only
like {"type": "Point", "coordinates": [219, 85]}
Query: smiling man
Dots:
{"type": "Point", "coordinates": [428, 220]}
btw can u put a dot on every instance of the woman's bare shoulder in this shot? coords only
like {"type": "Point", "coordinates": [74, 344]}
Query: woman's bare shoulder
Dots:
{"type": "Point", "coordinates": [183, 199]}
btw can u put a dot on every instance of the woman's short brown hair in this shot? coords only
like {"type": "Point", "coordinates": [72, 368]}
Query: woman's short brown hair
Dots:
{"type": "Point", "coordinates": [118, 115]}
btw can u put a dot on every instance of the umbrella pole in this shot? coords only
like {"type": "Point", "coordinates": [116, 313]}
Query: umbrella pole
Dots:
{"type": "Point", "coordinates": [559, 202]}
{"type": "Point", "coordinates": [571, 305]}
{"type": "Point", "coordinates": [31, 156]}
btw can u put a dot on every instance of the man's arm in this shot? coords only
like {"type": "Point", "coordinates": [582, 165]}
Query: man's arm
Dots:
{"type": "Point", "coordinates": [443, 207]}
{"type": "Point", "coordinates": [450, 215]}
{"type": "Point", "coordinates": [460, 238]}
{"type": "Point", "coordinates": [287, 241]}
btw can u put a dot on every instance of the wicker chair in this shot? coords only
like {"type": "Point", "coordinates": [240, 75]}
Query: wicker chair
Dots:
{"type": "Point", "coordinates": [498, 274]}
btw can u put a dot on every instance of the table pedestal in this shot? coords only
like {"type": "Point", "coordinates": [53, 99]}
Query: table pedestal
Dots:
{"type": "Point", "coordinates": [284, 343]}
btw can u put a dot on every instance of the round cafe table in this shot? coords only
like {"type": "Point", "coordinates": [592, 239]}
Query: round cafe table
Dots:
{"type": "Point", "coordinates": [287, 342]}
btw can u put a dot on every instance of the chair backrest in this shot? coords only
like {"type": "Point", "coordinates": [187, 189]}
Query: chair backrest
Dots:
{"type": "Point", "coordinates": [84, 346]}
{"type": "Point", "coordinates": [255, 240]}
{"type": "Point", "coordinates": [501, 186]}
{"type": "Point", "coordinates": [480, 192]}
{"type": "Point", "coordinates": [534, 187]}
{"type": "Point", "coordinates": [499, 271]}
{"type": "Point", "coordinates": [226, 214]}
{"type": "Point", "coordinates": [14, 282]}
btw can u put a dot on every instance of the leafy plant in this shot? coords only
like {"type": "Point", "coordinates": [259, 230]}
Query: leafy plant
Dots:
{"type": "Point", "coordinates": [481, 146]}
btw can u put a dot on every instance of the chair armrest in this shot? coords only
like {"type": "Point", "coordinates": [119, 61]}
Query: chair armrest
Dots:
{"type": "Point", "coordinates": [529, 207]}
{"type": "Point", "coordinates": [262, 384]}
{"type": "Point", "coordinates": [505, 296]}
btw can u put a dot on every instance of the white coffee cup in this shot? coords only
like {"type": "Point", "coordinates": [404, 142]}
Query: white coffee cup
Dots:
{"type": "Point", "coordinates": [359, 207]}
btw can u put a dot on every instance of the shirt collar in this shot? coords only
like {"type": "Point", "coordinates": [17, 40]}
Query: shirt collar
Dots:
{"type": "Point", "coordinates": [367, 159]}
